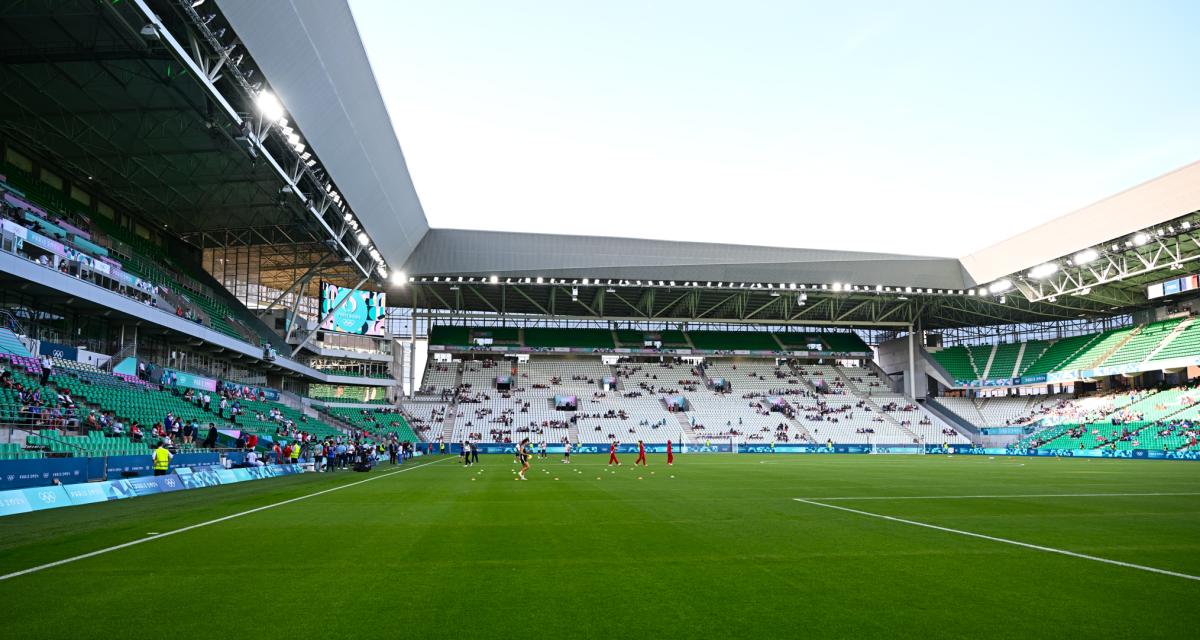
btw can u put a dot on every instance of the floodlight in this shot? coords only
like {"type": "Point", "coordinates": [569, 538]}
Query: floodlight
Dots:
{"type": "Point", "coordinates": [1085, 256]}
{"type": "Point", "coordinates": [269, 106]}
{"type": "Point", "coordinates": [495, 279]}
{"type": "Point", "coordinates": [1043, 270]}
{"type": "Point", "coordinates": [1141, 238]}
{"type": "Point", "coordinates": [398, 278]}
{"type": "Point", "coordinates": [1000, 286]}
{"type": "Point", "coordinates": [362, 238]}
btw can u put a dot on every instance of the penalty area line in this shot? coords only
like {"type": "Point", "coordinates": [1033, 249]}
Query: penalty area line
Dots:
{"type": "Point", "coordinates": [165, 534]}
{"type": "Point", "coordinates": [1017, 543]}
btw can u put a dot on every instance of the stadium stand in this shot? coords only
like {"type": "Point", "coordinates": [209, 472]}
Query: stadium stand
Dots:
{"type": "Point", "coordinates": [958, 362]}
{"type": "Point", "coordinates": [1003, 360]}
{"type": "Point", "coordinates": [349, 393]}
{"type": "Point", "coordinates": [97, 246]}
{"type": "Point", "coordinates": [538, 338]}
{"type": "Point", "coordinates": [1139, 346]}
{"type": "Point", "coordinates": [1135, 345]}
{"type": "Point", "coordinates": [533, 338]}
{"type": "Point", "coordinates": [377, 422]}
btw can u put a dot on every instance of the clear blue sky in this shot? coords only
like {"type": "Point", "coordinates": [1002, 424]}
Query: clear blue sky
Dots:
{"type": "Point", "coordinates": [926, 127]}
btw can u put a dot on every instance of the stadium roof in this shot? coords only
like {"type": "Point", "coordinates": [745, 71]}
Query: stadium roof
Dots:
{"type": "Point", "coordinates": [327, 59]}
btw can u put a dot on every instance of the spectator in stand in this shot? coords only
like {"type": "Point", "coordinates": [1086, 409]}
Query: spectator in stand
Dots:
{"type": "Point", "coordinates": [47, 369]}
{"type": "Point", "coordinates": [210, 440]}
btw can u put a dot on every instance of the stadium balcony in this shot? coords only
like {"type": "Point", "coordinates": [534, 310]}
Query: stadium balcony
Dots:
{"type": "Point", "coordinates": [1160, 345]}
{"type": "Point", "coordinates": [96, 394]}
{"type": "Point", "coordinates": [701, 342]}
{"type": "Point", "coordinates": [348, 394]}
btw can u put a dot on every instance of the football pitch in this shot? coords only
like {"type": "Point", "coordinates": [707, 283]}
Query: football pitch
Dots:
{"type": "Point", "coordinates": [717, 546]}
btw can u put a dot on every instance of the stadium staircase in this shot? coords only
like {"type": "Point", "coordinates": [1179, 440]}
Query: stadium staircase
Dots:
{"type": "Point", "coordinates": [1116, 347]}
{"type": "Point", "coordinates": [850, 384]}
{"type": "Point", "coordinates": [802, 429]}
{"type": "Point", "coordinates": [1020, 357]}
{"type": "Point", "coordinates": [953, 419]}
{"type": "Point", "coordinates": [685, 426]}
{"type": "Point", "coordinates": [803, 378]}
{"type": "Point", "coordinates": [987, 367]}
{"type": "Point", "coordinates": [1179, 330]}
{"type": "Point", "coordinates": [913, 437]}
{"type": "Point", "coordinates": [448, 425]}
{"type": "Point", "coordinates": [620, 386]}
{"type": "Point", "coordinates": [10, 343]}
{"type": "Point", "coordinates": [336, 422]}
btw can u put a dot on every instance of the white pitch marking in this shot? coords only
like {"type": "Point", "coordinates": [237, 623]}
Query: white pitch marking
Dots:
{"type": "Point", "coordinates": [90, 554]}
{"type": "Point", "coordinates": [1027, 495]}
{"type": "Point", "coordinates": [1017, 543]}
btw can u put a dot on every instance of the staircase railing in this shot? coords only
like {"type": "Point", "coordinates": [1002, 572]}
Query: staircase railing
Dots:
{"type": "Point", "coordinates": [10, 322]}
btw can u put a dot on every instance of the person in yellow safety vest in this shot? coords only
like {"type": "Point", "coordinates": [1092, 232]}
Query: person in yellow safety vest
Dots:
{"type": "Point", "coordinates": [296, 453]}
{"type": "Point", "coordinates": [162, 459]}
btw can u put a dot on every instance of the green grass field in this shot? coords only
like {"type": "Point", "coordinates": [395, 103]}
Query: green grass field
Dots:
{"type": "Point", "coordinates": [716, 546]}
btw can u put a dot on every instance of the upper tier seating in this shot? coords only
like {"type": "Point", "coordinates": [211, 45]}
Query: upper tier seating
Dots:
{"type": "Point", "coordinates": [734, 340]}
{"type": "Point", "coordinates": [1139, 346]}
{"type": "Point", "coordinates": [1186, 343]}
{"type": "Point", "coordinates": [90, 236]}
{"type": "Point", "coordinates": [579, 338]}
{"type": "Point", "coordinates": [1004, 360]}
{"type": "Point", "coordinates": [957, 362]}
{"type": "Point", "coordinates": [348, 393]}
{"type": "Point", "coordinates": [605, 339]}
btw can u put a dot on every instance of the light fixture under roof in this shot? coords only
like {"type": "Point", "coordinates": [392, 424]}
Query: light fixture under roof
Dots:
{"type": "Point", "coordinates": [269, 106]}
{"type": "Point", "coordinates": [1000, 286]}
{"type": "Point", "coordinates": [1043, 270]}
{"type": "Point", "coordinates": [1085, 257]}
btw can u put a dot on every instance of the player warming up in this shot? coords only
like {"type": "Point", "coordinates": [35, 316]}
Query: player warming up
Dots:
{"type": "Point", "coordinates": [641, 459]}
{"type": "Point", "coordinates": [566, 452]}
{"type": "Point", "coordinates": [670, 454]}
{"type": "Point", "coordinates": [612, 453]}
{"type": "Point", "coordinates": [524, 453]}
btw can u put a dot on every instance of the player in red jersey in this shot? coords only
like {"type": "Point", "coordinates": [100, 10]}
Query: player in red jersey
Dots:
{"type": "Point", "coordinates": [641, 459]}
{"type": "Point", "coordinates": [670, 454]}
{"type": "Point", "coordinates": [612, 453]}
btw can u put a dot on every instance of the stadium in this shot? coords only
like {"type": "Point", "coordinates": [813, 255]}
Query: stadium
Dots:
{"type": "Point", "coordinates": [248, 387]}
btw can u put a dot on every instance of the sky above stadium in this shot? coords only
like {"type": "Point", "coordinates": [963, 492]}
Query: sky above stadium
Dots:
{"type": "Point", "coordinates": [932, 128]}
